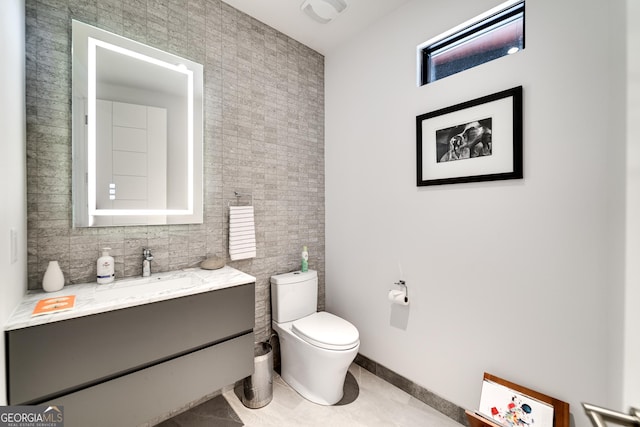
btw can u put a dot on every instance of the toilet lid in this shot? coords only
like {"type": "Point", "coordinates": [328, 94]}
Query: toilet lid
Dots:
{"type": "Point", "coordinates": [327, 331]}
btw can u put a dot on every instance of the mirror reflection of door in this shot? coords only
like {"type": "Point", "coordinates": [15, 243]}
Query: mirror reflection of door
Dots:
{"type": "Point", "coordinates": [131, 145]}
{"type": "Point", "coordinates": [150, 167]}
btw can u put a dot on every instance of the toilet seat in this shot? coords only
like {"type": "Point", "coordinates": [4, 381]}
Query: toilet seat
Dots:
{"type": "Point", "coordinates": [327, 331]}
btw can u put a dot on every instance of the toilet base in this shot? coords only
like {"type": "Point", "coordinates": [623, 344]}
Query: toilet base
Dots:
{"type": "Point", "coordinates": [317, 374]}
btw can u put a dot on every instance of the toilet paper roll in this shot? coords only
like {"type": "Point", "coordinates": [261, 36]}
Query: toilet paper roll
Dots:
{"type": "Point", "coordinates": [398, 297]}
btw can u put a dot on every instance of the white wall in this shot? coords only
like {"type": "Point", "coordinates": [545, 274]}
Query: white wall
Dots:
{"type": "Point", "coordinates": [632, 320]}
{"type": "Point", "coordinates": [522, 278]}
{"type": "Point", "coordinates": [13, 275]}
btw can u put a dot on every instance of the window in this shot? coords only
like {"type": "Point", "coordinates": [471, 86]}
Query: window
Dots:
{"type": "Point", "coordinates": [495, 34]}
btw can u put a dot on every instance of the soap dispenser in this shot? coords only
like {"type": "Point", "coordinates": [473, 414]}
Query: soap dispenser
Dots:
{"type": "Point", "coordinates": [305, 260]}
{"type": "Point", "coordinates": [105, 267]}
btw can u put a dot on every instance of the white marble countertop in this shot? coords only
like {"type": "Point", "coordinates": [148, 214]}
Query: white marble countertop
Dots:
{"type": "Point", "coordinates": [92, 298]}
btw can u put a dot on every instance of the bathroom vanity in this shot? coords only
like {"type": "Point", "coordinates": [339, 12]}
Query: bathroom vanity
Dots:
{"type": "Point", "coordinates": [133, 350]}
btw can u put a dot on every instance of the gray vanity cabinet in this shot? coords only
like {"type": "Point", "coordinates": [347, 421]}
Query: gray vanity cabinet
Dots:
{"type": "Point", "coordinates": [126, 366]}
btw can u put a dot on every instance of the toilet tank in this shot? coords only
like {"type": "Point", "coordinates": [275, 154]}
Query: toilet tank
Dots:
{"type": "Point", "coordinates": [294, 295]}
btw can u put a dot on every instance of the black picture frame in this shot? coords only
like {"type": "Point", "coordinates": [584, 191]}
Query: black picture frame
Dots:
{"type": "Point", "coordinates": [477, 140]}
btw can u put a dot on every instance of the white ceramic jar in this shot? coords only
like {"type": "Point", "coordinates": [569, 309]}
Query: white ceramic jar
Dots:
{"type": "Point", "coordinates": [53, 278]}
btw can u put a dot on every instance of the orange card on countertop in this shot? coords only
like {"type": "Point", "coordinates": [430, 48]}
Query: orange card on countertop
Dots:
{"type": "Point", "coordinates": [54, 304]}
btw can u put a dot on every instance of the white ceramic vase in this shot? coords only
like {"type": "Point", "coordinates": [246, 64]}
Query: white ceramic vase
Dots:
{"type": "Point", "coordinates": [53, 278]}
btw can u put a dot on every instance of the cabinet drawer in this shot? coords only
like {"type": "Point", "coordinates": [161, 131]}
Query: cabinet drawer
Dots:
{"type": "Point", "coordinates": [134, 399]}
{"type": "Point", "coordinates": [61, 357]}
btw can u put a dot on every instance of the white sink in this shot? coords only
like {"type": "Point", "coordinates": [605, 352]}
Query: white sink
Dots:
{"type": "Point", "coordinates": [146, 286]}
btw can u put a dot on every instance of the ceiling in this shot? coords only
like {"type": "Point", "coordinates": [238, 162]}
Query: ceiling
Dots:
{"type": "Point", "coordinates": [287, 17]}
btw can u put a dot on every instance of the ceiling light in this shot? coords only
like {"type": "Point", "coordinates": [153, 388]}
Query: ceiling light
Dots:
{"type": "Point", "coordinates": [323, 11]}
{"type": "Point", "coordinates": [513, 50]}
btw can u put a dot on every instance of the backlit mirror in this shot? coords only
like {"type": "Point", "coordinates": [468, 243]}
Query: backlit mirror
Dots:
{"type": "Point", "coordinates": [137, 133]}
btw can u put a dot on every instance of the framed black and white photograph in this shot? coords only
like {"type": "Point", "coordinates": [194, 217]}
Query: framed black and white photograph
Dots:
{"type": "Point", "coordinates": [478, 140]}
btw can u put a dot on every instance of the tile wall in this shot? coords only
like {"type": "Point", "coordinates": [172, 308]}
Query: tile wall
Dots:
{"type": "Point", "coordinates": [263, 135]}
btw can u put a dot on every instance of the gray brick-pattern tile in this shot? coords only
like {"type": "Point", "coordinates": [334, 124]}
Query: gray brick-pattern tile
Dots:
{"type": "Point", "coordinates": [263, 135]}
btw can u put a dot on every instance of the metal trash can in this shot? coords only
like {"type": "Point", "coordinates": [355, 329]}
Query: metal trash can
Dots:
{"type": "Point", "coordinates": [258, 388]}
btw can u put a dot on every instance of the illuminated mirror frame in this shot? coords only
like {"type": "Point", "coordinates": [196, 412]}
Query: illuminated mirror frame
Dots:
{"type": "Point", "coordinates": [93, 44]}
{"type": "Point", "coordinates": [193, 72]}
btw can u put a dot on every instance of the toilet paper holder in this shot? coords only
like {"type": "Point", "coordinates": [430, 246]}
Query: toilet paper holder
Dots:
{"type": "Point", "coordinates": [400, 297]}
{"type": "Point", "coordinates": [406, 288]}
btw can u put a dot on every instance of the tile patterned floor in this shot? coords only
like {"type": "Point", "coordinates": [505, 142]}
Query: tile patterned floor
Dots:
{"type": "Point", "coordinates": [369, 402]}
{"type": "Point", "coordinates": [212, 413]}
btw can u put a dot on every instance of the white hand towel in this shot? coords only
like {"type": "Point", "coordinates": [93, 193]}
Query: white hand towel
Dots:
{"type": "Point", "coordinates": [242, 233]}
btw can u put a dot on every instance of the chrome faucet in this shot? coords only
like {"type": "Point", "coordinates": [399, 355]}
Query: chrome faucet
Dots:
{"type": "Point", "coordinates": [146, 262]}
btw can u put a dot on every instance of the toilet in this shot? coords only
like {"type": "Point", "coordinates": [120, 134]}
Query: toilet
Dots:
{"type": "Point", "coordinates": [316, 348]}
